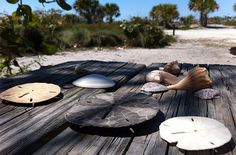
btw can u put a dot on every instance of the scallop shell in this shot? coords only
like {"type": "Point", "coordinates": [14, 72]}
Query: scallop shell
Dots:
{"type": "Point", "coordinates": [154, 87]}
{"type": "Point", "coordinates": [207, 93]}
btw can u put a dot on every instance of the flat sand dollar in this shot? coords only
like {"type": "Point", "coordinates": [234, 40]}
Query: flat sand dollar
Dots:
{"type": "Point", "coordinates": [195, 133]}
{"type": "Point", "coordinates": [30, 93]}
{"type": "Point", "coordinates": [153, 87]}
{"type": "Point", "coordinates": [94, 81]}
{"type": "Point", "coordinates": [113, 110]}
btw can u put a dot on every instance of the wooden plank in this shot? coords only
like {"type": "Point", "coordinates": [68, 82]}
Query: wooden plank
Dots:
{"type": "Point", "coordinates": [36, 134]}
{"type": "Point", "coordinates": [16, 112]}
{"type": "Point", "coordinates": [37, 75]}
{"type": "Point", "coordinates": [109, 146]}
{"type": "Point", "coordinates": [42, 114]}
{"type": "Point", "coordinates": [221, 107]}
{"type": "Point", "coordinates": [153, 144]}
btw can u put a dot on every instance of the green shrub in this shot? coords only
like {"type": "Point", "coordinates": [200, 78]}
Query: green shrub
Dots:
{"type": "Point", "coordinates": [230, 23]}
{"type": "Point", "coordinates": [33, 38]}
{"type": "Point", "coordinates": [84, 35]}
{"type": "Point", "coordinates": [187, 21]}
{"type": "Point", "coordinates": [148, 35]}
{"type": "Point", "coordinates": [73, 36]}
{"type": "Point", "coordinates": [49, 49]}
{"type": "Point", "coordinates": [102, 39]}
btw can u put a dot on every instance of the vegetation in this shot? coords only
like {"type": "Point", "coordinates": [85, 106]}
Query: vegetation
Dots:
{"type": "Point", "coordinates": [28, 32]}
{"type": "Point", "coordinates": [187, 21]}
{"type": "Point", "coordinates": [90, 35]}
{"type": "Point", "coordinates": [111, 10]}
{"type": "Point", "coordinates": [234, 7]}
{"type": "Point", "coordinates": [145, 33]}
{"type": "Point", "coordinates": [94, 12]}
{"type": "Point", "coordinates": [204, 7]}
{"type": "Point", "coordinates": [164, 14]}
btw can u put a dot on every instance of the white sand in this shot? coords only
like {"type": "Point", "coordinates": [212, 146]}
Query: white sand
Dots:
{"type": "Point", "coordinates": [208, 46]}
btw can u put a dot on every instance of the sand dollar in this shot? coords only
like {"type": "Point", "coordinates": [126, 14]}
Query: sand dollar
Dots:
{"type": "Point", "coordinates": [30, 93]}
{"type": "Point", "coordinates": [113, 110]}
{"type": "Point", "coordinates": [195, 133]}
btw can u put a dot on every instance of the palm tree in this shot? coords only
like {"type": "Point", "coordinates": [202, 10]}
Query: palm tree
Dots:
{"type": "Point", "coordinates": [111, 10]}
{"type": "Point", "coordinates": [235, 7]}
{"type": "Point", "coordinates": [164, 13]}
{"type": "Point", "coordinates": [89, 9]}
{"type": "Point", "coordinates": [204, 7]}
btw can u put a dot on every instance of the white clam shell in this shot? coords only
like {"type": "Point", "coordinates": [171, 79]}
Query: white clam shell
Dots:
{"type": "Point", "coordinates": [195, 133]}
{"type": "Point", "coordinates": [94, 81]}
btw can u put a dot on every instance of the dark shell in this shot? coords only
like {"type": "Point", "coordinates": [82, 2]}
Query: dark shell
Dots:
{"type": "Point", "coordinates": [154, 87]}
{"type": "Point", "coordinates": [113, 110]}
{"type": "Point", "coordinates": [207, 93]}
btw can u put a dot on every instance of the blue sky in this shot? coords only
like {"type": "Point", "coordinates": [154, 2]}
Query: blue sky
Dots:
{"type": "Point", "coordinates": [131, 8]}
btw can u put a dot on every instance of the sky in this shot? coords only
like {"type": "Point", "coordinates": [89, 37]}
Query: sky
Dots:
{"type": "Point", "coordinates": [129, 8]}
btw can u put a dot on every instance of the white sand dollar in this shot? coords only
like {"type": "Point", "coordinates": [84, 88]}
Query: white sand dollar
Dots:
{"type": "Point", "coordinates": [195, 133]}
{"type": "Point", "coordinates": [94, 81]}
{"type": "Point", "coordinates": [30, 93]}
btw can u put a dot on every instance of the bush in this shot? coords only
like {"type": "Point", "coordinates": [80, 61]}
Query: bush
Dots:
{"type": "Point", "coordinates": [102, 39]}
{"type": "Point", "coordinates": [33, 38]}
{"type": "Point", "coordinates": [49, 49]}
{"type": "Point", "coordinates": [84, 35]}
{"type": "Point", "coordinates": [147, 35]}
{"type": "Point", "coordinates": [187, 21]}
{"type": "Point", "coordinates": [73, 36]}
{"type": "Point", "coordinates": [230, 23]}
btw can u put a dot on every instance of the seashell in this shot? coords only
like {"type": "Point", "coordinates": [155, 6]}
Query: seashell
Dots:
{"type": "Point", "coordinates": [162, 77]}
{"type": "Point", "coordinates": [94, 81]}
{"type": "Point", "coordinates": [80, 70]}
{"type": "Point", "coordinates": [172, 68]}
{"type": "Point", "coordinates": [196, 79]}
{"type": "Point", "coordinates": [154, 87]}
{"type": "Point", "coordinates": [207, 93]}
{"type": "Point", "coordinates": [195, 133]}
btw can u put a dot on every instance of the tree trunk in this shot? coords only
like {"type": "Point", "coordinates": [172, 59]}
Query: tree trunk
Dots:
{"type": "Point", "coordinates": [203, 19]}
{"type": "Point", "coordinates": [110, 19]}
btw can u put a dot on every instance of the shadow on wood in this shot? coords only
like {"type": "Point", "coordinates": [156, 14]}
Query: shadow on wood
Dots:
{"type": "Point", "coordinates": [141, 129]}
{"type": "Point", "coordinates": [53, 100]}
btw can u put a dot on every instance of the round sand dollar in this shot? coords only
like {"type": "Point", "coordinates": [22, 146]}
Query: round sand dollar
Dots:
{"type": "Point", "coordinates": [195, 133]}
{"type": "Point", "coordinates": [30, 93]}
{"type": "Point", "coordinates": [113, 110]}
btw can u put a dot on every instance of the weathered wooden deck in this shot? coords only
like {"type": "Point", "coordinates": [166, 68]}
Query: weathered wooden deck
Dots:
{"type": "Point", "coordinates": [43, 129]}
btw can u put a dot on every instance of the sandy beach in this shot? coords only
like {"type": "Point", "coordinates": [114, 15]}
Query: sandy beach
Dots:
{"type": "Point", "coordinates": [198, 46]}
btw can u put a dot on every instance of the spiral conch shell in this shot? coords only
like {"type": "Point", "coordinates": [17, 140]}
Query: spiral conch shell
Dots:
{"type": "Point", "coordinates": [172, 68]}
{"type": "Point", "coordinates": [195, 79]}
{"type": "Point", "coordinates": [162, 77]}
